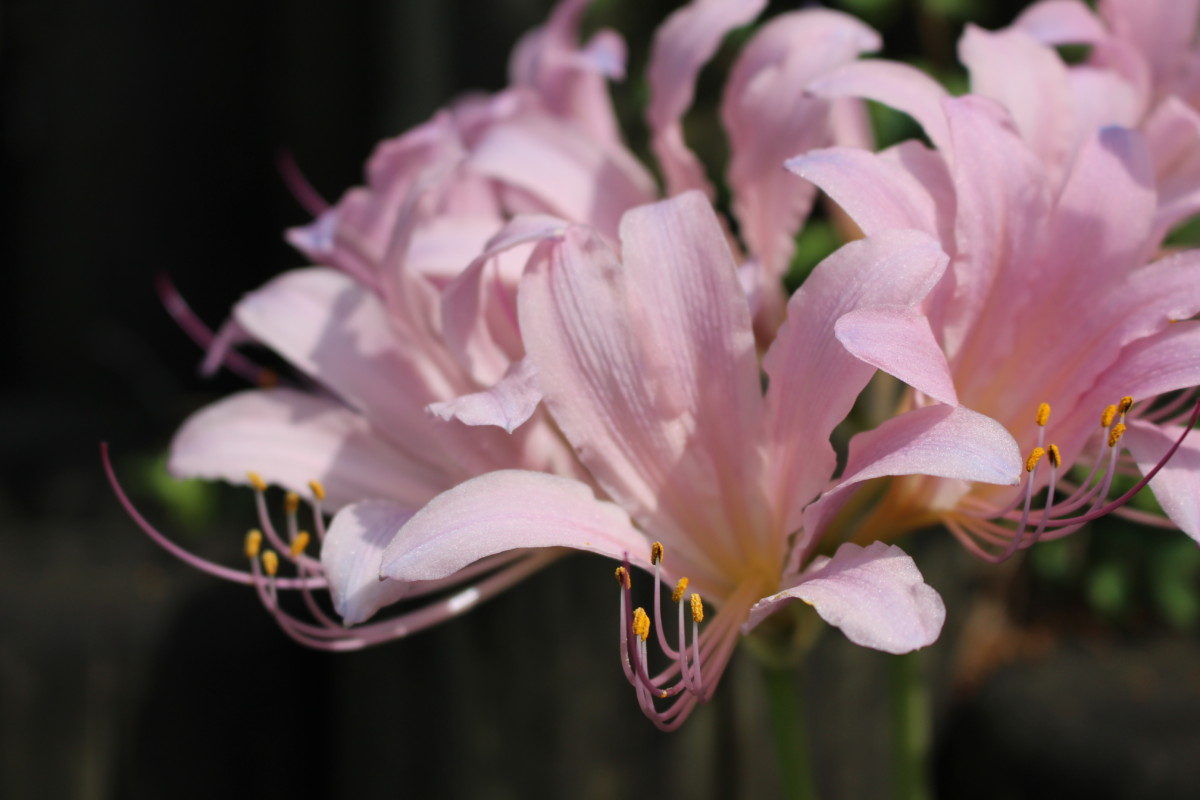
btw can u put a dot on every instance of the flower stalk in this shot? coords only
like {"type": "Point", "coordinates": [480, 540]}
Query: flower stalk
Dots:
{"type": "Point", "coordinates": [910, 717]}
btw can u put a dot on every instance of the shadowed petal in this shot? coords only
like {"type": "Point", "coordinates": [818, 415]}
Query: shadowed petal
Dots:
{"type": "Point", "coordinates": [899, 341]}
{"type": "Point", "coordinates": [351, 553]}
{"type": "Point", "coordinates": [506, 510]}
{"type": "Point", "coordinates": [683, 44]}
{"type": "Point", "coordinates": [875, 594]}
{"type": "Point", "coordinates": [1177, 485]}
{"type": "Point", "coordinates": [769, 116]}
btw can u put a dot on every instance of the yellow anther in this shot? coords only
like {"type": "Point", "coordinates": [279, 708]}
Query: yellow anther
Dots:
{"type": "Point", "coordinates": [318, 491]}
{"type": "Point", "coordinates": [270, 562]}
{"type": "Point", "coordinates": [253, 543]}
{"type": "Point", "coordinates": [622, 576]}
{"type": "Point", "coordinates": [697, 608]}
{"type": "Point", "coordinates": [300, 543]}
{"type": "Point", "coordinates": [1115, 434]}
{"type": "Point", "coordinates": [291, 502]}
{"type": "Point", "coordinates": [1055, 455]}
{"type": "Point", "coordinates": [256, 481]}
{"type": "Point", "coordinates": [1125, 404]}
{"type": "Point", "coordinates": [1034, 457]}
{"type": "Point", "coordinates": [641, 623]}
{"type": "Point", "coordinates": [680, 588]}
{"type": "Point", "coordinates": [1107, 416]}
{"type": "Point", "coordinates": [1043, 414]}
{"type": "Point", "coordinates": [656, 552]}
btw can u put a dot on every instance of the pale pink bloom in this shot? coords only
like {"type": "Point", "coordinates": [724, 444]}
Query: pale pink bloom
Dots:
{"type": "Point", "coordinates": [1142, 71]}
{"type": "Point", "coordinates": [1050, 300]}
{"type": "Point", "coordinates": [647, 362]}
{"type": "Point", "coordinates": [409, 330]}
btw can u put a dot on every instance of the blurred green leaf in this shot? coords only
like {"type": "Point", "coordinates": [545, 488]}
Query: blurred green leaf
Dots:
{"type": "Point", "coordinates": [190, 502]}
{"type": "Point", "coordinates": [1108, 588]}
{"type": "Point", "coordinates": [1054, 560]}
{"type": "Point", "coordinates": [1175, 581]}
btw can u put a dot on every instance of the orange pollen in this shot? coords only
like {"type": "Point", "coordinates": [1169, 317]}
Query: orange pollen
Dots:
{"type": "Point", "coordinates": [1055, 455]}
{"type": "Point", "coordinates": [622, 576]}
{"type": "Point", "coordinates": [1107, 416]}
{"type": "Point", "coordinates": [641, 623]}
{"type": "Point", "coordinates": [1125, 404]}
{"type": "Point", "coordinates": [697, 609]}
{"type": "Point", "coordinates": [1043, 414]}
{"type": "Point", "coordinates": [656, 552]}
{"type": "Point", "coordinates": [1034, 457]}
{"type": "Point", "coordinates": [1115, 434]}
{"type": "Point", "coordinates": [680, 588]}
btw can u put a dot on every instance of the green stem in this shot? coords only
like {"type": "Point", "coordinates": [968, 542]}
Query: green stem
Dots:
{"type": "Point", "coordinates": [910, 729]}
{"type": "Point", "coordinates": [791, 738]}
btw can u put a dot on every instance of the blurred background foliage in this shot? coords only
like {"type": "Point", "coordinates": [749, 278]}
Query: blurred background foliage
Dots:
{"type": "Point", "coordinates": [140, 137]}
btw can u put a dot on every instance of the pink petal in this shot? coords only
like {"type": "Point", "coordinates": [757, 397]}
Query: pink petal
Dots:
{"type": "Point", "coordinates": [877, 192]}
{"type": "Point", "coordinates": [769, 116]}
{"type": "Point", "coordinates": [899, 341]}
{"type": "Point", "coordinates": [1002, 205]}
{"type": "Point", "coordinates": [506, 510]}
{"type": "Point", "coordinates": [896, 85]}
{"type": "Point", "coordinates": [1177, 485]}
{"type": "Point", "coordinates": [570, 81]}
{"type": "Point", "coordinates": [339, 333]}
{"type": "Point", "coordinates": [943, 441]}
{"type": "Point", "coordinates": [1103, 220]}
{"type": "Point", "coordinates": [875, 594]}
{"type": "Point", "coordinates": [351, 553]}
{"type": "Point", "coordinates": [813, 380]}
{"type": "Point", "coordinates": [507, 404]}
{"type": "Point", "coordinates": [683, 44]}
{"type": "Point", "coordinates": [1057, 22]}
{"type": "Point", "coordinates": [1162, 363]}
{"type": "Point", "coordinates": [1030, 80]}
{"type": "Point", "coordinates": [1162, 30]}
{"type": "Point", "coordinates": [290, 438]}
{"type": "Point", "coordinates": [628, 355]}
{"type": "Point", "coordinates": [573, 176]}
{"type": "Point", "coordinates": [478, 309]}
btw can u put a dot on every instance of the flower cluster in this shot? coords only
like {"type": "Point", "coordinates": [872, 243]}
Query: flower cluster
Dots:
{"type": "Point", "coordinates": [516, 344]}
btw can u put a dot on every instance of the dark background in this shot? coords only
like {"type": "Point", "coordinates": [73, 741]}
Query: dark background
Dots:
{"type": "Point", "coordinates": [141, 137]}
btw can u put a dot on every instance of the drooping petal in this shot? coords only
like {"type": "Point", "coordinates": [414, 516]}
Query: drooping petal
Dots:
{"type": "Point", "coordinates": [943, 441]}
{"type": "Point", "coordinates": [683, 44]}
{"type": "Point", "coordinates": [508, 404]}
{"type": "Point", "coordinates": [628, 355]}
{"type": "Point", "coordinates": [506, 510]}
{"type": "Point", "coordinates": [1057, 22]}
{"type": "Point", "coordinates": [875, 594]}
{"type": "Point", "coordinates": [1154, 365]}
{"type": "Point", "coordinates": [899, 341]}
{"type": "Point", "coordinates": [351, 554]}
{"type": "Point", "coordinates": [896, 85]}
{"type": "Point", "coordinates": [1177, 485]}
{"type": "Point", "coordinates": [769, 116]}
{"type": "Point", "coordinates": [291, 438]}
{"type": "Point", "coordinates": [877, 193]}
{"type": "Point", "coordinates": [813, 380]}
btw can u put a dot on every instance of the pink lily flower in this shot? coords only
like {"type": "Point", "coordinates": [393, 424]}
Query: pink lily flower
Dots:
{"type": "Point", "coordinates": [409, 331]}
{"type": "Point", "coordinates": [1049, 320]}
{"type": "Point", "coordinates": [647, 362]}
{"type": "Point", "coordinates": [1142, 71]}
